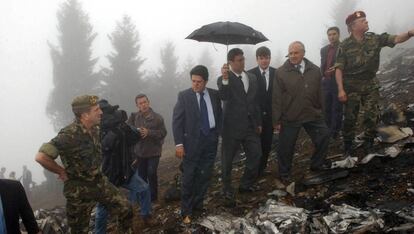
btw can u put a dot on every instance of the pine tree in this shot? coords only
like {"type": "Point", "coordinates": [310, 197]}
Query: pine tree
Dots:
{"type": "Point", "coordinates": [124, 78]}
{"type": "Point", "coordinates": [72, 63]}
{"type": "Point", "coordinates": [166, 85]}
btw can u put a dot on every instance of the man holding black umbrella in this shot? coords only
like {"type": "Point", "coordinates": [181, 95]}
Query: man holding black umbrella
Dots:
{"type": "Point", "coordinates": [242, 123]}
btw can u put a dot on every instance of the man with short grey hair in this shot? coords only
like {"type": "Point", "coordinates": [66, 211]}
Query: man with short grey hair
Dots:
{"type": "Point", "coordinates": [297, 103]}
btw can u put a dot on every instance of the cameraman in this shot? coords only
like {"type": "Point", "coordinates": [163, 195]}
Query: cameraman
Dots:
{"type": "Point", "coordinates": [118, 165]}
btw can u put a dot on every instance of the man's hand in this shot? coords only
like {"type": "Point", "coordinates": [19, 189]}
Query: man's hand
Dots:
{"type": "Point", "coordinates": [225, 71]}
{"type": "Point", "coordinates": [259, 130]}
{"type": "Point", "coordinates": [342, 96]}
{"type": "Point", "coordinates": [276, 129]}
{"type": "Point", "coordinates": [179, 151]}
{"type": "Point", "coordinates": [329, 73]}
{"type": "Point", "coordinates": [143, 132]}
{"type": "Point", "coordinates": [63, 176]}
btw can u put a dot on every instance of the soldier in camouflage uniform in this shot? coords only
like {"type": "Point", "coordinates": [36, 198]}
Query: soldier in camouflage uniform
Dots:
{"type": "Point", "coordinates": [356, 65]}
{"type": "Point", "coordinates": [79, 148]}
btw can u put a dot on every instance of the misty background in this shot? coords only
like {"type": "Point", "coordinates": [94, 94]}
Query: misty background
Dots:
{"type": "Point", "coordinates": [52, 50]}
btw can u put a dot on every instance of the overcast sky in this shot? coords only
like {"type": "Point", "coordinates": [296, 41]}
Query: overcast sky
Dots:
{"type": "Point", "coordinates": [26, 26]}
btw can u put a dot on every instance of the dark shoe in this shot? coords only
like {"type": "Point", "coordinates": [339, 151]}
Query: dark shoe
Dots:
{"type": "Point", "coordinates": [251, 189]}
{"type": "Point", "coordinates": [323, 167]}
{"type": "Point", "coordinates": [187, 220]}
{"type": "Point", "coordinates": [229, 199]}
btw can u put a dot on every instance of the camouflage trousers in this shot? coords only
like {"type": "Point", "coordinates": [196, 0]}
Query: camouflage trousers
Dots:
{"type": "Point", "coordinates": [362, 96]}
{"type": "Point", "coordinates": [82, 197]}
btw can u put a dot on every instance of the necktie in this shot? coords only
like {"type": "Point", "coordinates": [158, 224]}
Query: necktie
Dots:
{"type": "Point", "coordinates": [241, 80]}
{"type": "Point", "coordinates": [205, 124]}
{"type": "Point", "coordinates": [299, 67]}
{"type": "Point", "coordinates": [264, 77]}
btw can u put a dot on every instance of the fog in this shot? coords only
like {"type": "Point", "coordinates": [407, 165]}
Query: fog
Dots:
{"type": "Point", "coordinates": [26, 67]}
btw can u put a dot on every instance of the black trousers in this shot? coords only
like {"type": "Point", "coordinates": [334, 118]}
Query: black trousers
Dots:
{"type": "Point", "coordinates": [147, 170]}
{"type": "Point", "coordinates": [252, 148]}
{"type": "Point", "coordinates": [319, 134]}
{"type": "Point", "coordinates": [266, 141]}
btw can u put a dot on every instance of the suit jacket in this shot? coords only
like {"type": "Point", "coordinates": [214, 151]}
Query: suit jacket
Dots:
{"type": "Point", "coordinates": [265, 97]}
{"type": "Point", "coordinates": [15, 205]}
{"type": "Point", "coordinates": [327, 82]}
{"type": "Point", "coordinates": [187, 120]}
{"type": "Point", "coordinates": [241, 110]}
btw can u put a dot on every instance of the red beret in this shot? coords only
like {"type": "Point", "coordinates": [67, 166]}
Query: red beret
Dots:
{"type": "Point", "coordinates": [354, 16]}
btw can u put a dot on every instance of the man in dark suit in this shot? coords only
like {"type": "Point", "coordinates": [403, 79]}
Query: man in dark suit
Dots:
{"type": "Point", "coordinates": [333, 107]}
{"type": "Point", "coordinates": [14, 205]}
{"type": "Point", "coordinates": [196, 124]}
{"type": "Point", "coordinates": [265, 75]}
{"type": "Point", "coordinates": [242, 123]}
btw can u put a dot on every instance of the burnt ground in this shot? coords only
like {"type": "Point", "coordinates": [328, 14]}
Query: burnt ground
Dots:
{"type": "Point", "coordinates": [382, 183]}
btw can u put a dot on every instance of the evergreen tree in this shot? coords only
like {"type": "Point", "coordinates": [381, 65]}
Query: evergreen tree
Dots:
{"type": "Point", "coordinates": [166, 86]}
{"type": "Point", "coordinates": [184, 77]}
{"type": "Point", "coordinates": [124, 79]}
{"type": "Point", "coordinates": [72, 63]}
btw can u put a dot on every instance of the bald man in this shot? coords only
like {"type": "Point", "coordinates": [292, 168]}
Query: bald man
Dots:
{"type": "Point", "coordinates": [297, 103]}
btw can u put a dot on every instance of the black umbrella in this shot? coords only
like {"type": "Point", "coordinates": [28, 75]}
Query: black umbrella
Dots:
{"type": "Point", "coordinates": [227, 33]}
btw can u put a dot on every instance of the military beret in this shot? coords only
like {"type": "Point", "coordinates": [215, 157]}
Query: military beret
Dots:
{"type": "Point", "coordinates": [354, 16]}
{"type": "Point", "coordinates": [84, 101]}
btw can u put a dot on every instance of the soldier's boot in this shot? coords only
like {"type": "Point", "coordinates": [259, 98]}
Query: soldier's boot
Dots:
{"type": "Point", "coordinates": [348, 148]}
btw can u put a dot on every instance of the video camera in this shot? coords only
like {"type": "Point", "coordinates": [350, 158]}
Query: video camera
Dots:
{"type": "Point", "coordinates": [111, 117]}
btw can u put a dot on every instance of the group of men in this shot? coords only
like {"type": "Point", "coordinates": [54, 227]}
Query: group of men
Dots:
{"type": "Point", "coordinates": [248, 108]}
{"type": "Point", "coordinates": [85, 152]}
{"type": "Point", "coordinates": [265, 103]}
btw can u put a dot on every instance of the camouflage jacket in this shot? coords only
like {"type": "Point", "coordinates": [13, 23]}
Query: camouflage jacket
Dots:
{"type": "Point", "coordinates": [360, 60]}
{"type": "Point", "coordinates": [79, 151]}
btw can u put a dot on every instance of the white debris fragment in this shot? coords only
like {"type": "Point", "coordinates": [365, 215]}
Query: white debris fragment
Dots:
{"type": "Point", "coordinates": [348, 162]}
{"type": "Point", "coordinates": [347, 218]}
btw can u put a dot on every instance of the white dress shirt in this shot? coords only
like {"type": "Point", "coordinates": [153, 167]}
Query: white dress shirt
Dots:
{"type": "Point", "coordinates": [244, 78]}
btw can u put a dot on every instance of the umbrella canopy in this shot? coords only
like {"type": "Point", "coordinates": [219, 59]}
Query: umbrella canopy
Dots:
{"type": "Point", "coordinates": [227, 33]}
